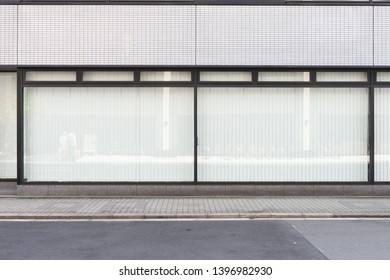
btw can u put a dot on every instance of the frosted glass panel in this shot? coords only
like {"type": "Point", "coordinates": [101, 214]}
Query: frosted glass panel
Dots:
{"type": "Point", "coordinates": [225, 76]}
{"type": "Point", "coordinates": [7, 125]}
{"type": "Point", "coordinates": [107, 76]}
{"type": "Point", "coordinates": [341, 76]}
{"type": "Point", "coordinates": [57, 76]}
{"type": "Point", "coordinates": [282, 134]}
{"type": "Point", "coordinates": [109, 134]}
{"type": "Point", "coordinates": [382, 134]}
{"type": "Point", "coordinates": [383, 76]}
{"type": "Point", "coordinates": [166, 76]}
{"type": "Point", "coordinates": [284, 76]}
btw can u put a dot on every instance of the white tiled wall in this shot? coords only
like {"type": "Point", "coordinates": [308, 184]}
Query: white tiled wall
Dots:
{"type": "Point", "coordinates": [8, 31]}
{"type": "Point", "coordinates": [284, 35]}
{"type": "Point", "coordinates": [382, 36]}
{"type": "Point", "coordinates": [167, 35]}
{"type": "Point", "coordinates": [107, 35]}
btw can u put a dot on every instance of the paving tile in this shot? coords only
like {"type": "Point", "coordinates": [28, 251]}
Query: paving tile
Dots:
{"type": "Point", "coordinates": [194, 207]}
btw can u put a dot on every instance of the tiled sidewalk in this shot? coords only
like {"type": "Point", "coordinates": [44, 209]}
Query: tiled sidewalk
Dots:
{"type": "Point", "coordinates": [194, 207]}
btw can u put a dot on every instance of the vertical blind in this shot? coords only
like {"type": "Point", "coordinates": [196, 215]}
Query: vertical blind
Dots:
{"type": "Point", "coordinates": [109, 134]}
{"type": "Point", "coordinates": [341, 76]}
{"type": "Point", "coordinates": [282, 134]}
{"type": "Point", "coordinates": [382, 134]}
{"type": "Point", "coordinates": [7, 125]}
{"type": "Point", "coordinates": [284, 76]}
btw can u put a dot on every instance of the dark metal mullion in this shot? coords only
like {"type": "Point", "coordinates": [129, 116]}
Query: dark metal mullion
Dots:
{"type": "Point", "coordinates": [255, 76]}
{"type": "Point", "coordinates": [108, 84]}
{"type": "Point", "coordinates": [137, 76]}
{"type": "Point", "coordinates": [20, 127]}
{"type": "Point", "coordinates": [285, 84]}
{"type": "Point", "coordinates": [195, 79]}
{"type": "Point", "coordinates": [371, 128]}
{"type": "Point", "coordinates": [79, 76]}
{"type": "Point", "coordinates": [313, 77]}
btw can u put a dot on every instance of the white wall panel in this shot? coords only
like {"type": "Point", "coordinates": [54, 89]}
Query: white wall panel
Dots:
{"type": "Point", "coordinates": [284, 35]}
{"type": "Point", "coordinates": [382, 36]}
{"type": "Point", "coordinates": [106, 35]}
{"type": "Point", "coordinates": [8, 31]}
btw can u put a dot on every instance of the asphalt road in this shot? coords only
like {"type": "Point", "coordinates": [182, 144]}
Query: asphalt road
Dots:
{"type": "Point", "coordinates": [245, 239]}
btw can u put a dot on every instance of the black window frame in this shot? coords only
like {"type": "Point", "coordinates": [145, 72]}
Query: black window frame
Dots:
{"type": "Point", "coordinates": [370, 84]}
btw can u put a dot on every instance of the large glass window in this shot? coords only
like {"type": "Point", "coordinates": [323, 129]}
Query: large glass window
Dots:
{"type": "Point", "coordinates": [52, 76]}
{"type": "Point", "coordinates": [108, 134]}
{"type": "Point", "coordinates": [282, 134]}
{"type": "Point", "coordinates": [382, 134]}
{"type": "Point", "coordinates": [285, 76]}
{"type": "Point", "coordinates": [342, 76]}
{"type": "Point", "coordinates": [215, 76]}
{"type": "Point", "coordinates": [166, 76]}
{"type": "Point", "coordinates": [108, 76]}
{"type": "Point", "coordinates": [7, 125]}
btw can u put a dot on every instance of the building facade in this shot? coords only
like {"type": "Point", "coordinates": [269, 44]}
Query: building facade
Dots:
{"type": "Point", "coordinates": [195, 97]}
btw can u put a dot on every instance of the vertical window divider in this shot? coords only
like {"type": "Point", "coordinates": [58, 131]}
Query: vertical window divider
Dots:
{"type": "Point", "coordinates": [20, 126]}
{"type": "Point", "coordinates": [79, 76]}
{"type": "Point", "coordinates": [313, 77]}
{"type": "Point", "coordinates": [371, 125]}
{"type": "Point", "coordinates": [195, 85]}
{"type": "Point", "coordinates": [255, 78]}
{"type": "Point", "coordinates": [137, 76]}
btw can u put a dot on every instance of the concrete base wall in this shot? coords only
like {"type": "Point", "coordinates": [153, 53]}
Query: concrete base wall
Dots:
{"type": "Point", "coordinates": [203, 190]}
{"type": "Point", "coordinates": [8, 185]}
{"type": "Point", "coordinates": [8, 188]}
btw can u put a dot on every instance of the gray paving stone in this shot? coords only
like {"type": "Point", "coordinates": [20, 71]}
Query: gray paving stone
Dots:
{"type": "Point", "coordinates": [193, 207]}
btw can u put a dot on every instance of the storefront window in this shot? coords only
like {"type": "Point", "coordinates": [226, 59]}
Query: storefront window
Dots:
{"type": "Point", "coordinates": [109, 134]}
{"type": "Point", "coordinates": [7, 125]}
{"type": "Point", "coordinates": [282, 134]}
